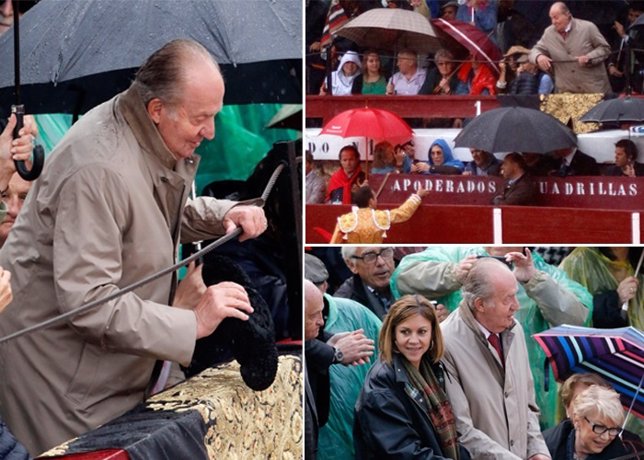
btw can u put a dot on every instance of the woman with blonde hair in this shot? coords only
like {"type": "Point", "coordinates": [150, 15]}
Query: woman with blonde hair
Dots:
{"type": "Point", "coordinates": [403, 410]}
{"type": "Point", "coordinates": [594, 430]}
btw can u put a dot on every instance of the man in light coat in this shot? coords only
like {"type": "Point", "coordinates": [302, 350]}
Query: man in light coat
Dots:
{"type": "Point", "coordinates": [574, 51]}
{"type": "Point", "coordinates": [491, 391]}
{"type": "Point", "coordinates": [109, 209]}
{"type": "Point", "coordinates": [547, 297]}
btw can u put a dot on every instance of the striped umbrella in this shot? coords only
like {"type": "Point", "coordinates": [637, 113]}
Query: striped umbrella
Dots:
{"type": "Point", "coordinates": [615, 354]}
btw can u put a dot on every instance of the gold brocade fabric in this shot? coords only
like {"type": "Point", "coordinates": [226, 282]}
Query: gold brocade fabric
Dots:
{"type": "Point", "coordinates": [242, 423]}
{"type": "Point", "coordinates": [568, 106]}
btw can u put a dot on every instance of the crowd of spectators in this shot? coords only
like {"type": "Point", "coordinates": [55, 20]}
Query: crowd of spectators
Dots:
{"type": "Point", "coordinates": [552, 47]}
{"type": "Point", "coordinates": [456, 333]}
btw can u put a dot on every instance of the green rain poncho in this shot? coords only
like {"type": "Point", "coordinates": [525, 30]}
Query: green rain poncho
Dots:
{"type": "Point", "coordinates": [549, 299]}
{"type": "Point", "coordinates": [592, 269]}
{"type": "Point", "coordinates": [335, 441]}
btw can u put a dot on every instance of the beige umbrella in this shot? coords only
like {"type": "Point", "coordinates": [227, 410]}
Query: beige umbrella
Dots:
{"type": "Point", "coordinates": [391, 29]}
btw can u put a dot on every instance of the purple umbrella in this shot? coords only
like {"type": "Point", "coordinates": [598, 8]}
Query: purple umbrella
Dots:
{"type": "Point", "coordinates": [615, 354]}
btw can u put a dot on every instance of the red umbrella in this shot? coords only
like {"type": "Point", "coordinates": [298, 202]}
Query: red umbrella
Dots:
{"type": "Point", "coordinates": [375, 124]}
{"type": "Point", "coordinates": [463, 35]}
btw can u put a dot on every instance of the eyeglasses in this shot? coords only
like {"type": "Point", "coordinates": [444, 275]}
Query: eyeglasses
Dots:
{"type": "Point", "coordinates": [601, 429]}
{"type": "Point", "coordinates": [372, 256]}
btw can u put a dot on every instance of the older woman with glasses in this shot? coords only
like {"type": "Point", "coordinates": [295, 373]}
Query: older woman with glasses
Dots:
{"type": "Point", "coordinates": [593, 431]}
{"type": "Point", "coordinates": [403, 411]}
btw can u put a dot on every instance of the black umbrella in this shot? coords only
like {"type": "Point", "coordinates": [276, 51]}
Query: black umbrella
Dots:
{"type": "Point", "coordinates": [77, 54]}
{"type": "Point", "coordinates": [516, 129]}
{"type": "Point", "coordinates": [627, 109]}
{"type": "Point", "coordinates": [18, 109]}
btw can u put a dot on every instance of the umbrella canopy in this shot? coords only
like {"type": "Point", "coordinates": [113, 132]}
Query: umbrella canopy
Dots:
{"type": "Point", "coordinates": [460, 35]}
{"type": "Point", "coordinates": [615, 354]}
{"type": "Point", "coordinates": [616, 111]}
{"type": "Point", "coordinates": [82, 53]}
{"type": "Point", "coordinates": [375, 124]}
{"type": "Point", "coordinates": [515, 129]}
{"type": "Point", "coordinates": [391, 29]}
{"type": "Point", "coordinates": [288, 117]}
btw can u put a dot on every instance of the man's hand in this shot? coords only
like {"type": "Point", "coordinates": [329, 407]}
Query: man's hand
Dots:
{"type": "Point", "coordinates": [540, 457]}
{"type": "Point", "coordinates": [390, 89]}
{"type": "Point", "coordinates": [250, 218]}
{"type": "Point", "coordinates": [583, 60]}
{"type": "Point", "coordinates": [627, 289]}
{"type": "Point", "coordinates": [19, 149]}
{"type": "Point", "coordinates": [619, 28]}
{"type": "Point", "coordinates": [5, 289]}
{"type": "Point", "coordinates": [422, 192]}
{"type": "Point", "coordinates": [524, 268]}
{"type": "Point", "coordinates": [222, 300]}
{"type": "Point", "coordinates": [544, 62]}
{"type": "Point", "coordinates": [191, 288]}
{"type": "Point", "coordinates": [463, 268]}
{"type": "Point", "coordinates": [355, 347]}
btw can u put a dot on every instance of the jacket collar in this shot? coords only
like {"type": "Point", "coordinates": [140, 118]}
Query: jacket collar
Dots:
{"type": "Point", "coordinates": [131, 105]}
{"type": "Point", "coordinates": [470, 321]}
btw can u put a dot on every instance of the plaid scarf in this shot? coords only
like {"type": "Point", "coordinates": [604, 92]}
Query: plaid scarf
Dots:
{"type": "Point", "coordinates": [439, 409]}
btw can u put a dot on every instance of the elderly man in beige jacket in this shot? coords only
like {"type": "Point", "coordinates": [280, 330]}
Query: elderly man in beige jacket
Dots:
{"type": "Point", "coordinates": [109, 209]}
{"type": "Point", "coordinates": [489, 382]}
{"type": "Point", "coordinates": [574, 51]}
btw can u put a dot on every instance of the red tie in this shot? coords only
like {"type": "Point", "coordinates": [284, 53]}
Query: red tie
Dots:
{"type": "Point", "coordinates": [496, 343]}
{"type": "Point", "coordinates": [563, 34]}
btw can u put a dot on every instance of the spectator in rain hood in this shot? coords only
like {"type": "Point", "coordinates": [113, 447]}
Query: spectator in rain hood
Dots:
{"type": "Point", "coordinates": [342, 79]}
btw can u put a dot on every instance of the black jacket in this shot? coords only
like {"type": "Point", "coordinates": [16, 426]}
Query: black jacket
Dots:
{"type": "Point", "coordinates": [389, 423]}
{"type": "Point", "coordinates": [557, 439]}
{"type": "Point", "coordinates": [607, 311]}
{"type": "Point", "coordinates": [581, 165]}
{"type": "Point", "coordinates": [10, 448]}
{"type": "Point", "coordinates": [354, 289]}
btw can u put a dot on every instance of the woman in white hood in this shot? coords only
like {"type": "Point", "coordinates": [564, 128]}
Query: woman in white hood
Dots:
{"type": "Point", "coordinates": [342, 79]}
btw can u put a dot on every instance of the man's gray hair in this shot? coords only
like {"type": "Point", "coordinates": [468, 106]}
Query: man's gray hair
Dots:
{"type": "Point", "coordinates": [348, 252]}
{"type": "Point", "coordinates": [478, 282]}
{"type": "Point", "coordinates": [162, 75]}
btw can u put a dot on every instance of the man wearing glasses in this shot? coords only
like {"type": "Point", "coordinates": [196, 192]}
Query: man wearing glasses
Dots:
{"type": "Point", "coordinates": [372, 268]}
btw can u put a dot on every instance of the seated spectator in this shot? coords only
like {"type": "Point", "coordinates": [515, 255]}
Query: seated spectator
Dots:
{"type": "Point", "coordinates": [519, 188]}
{"type": "Point", "coordinates": [530, 80]}
{"type": "Point", "coordinates": [405, 155]}
{"type": "Point", "coordinates": [574, 385]}
{"type": "Point", "coordinates": [346, 177]}
{"type": "Point", "coordinates": [483, 164]}
{"type": "Point", "coordinates": [593, 428]}
{"type": "Point", "coordinates": [442, 80]}
{"type": "Point", "coordinates": [384, 158]}
{"type": "Point", "coordinates": [372, 80]}
{"type": "Point", "coordinates": [409, 78]}
{"type": "Point", "coordinates": [609, 276]}
{"type": "Point", "coordinates": [476, 78]}
{"type": "Point", "coordinates": [626, 163]}
{"type": "Point", "coordinates": [574, 162]}
{"type": "Point", "coordinates": [540, 164]}
{"type": "Point", "coordinates": [403, 410]}
{"type": "Point", "coordinates": [342, 79]}
{"type": "Point", "coordinates": [367, 225]}
{"type": "Point", "coordinates": [315, 180]}
{"type": "Point", "coordinates": [449, 9]}
{"type": "Point", "coordinates": [479, 13]}
{"type": "Point", "coordinates": [441, 160]}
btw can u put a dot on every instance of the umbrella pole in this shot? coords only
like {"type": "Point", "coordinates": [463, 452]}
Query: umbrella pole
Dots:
{"type": "Point", "coordinates": [624, 312]}
{"type": "Point", "coordinates": [16, 50]}
{"type": "Point", "coordinates": [628, 412]}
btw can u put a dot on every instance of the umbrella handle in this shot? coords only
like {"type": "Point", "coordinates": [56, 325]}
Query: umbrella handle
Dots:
{"type": "Point", "coordinates": [38, 154]}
